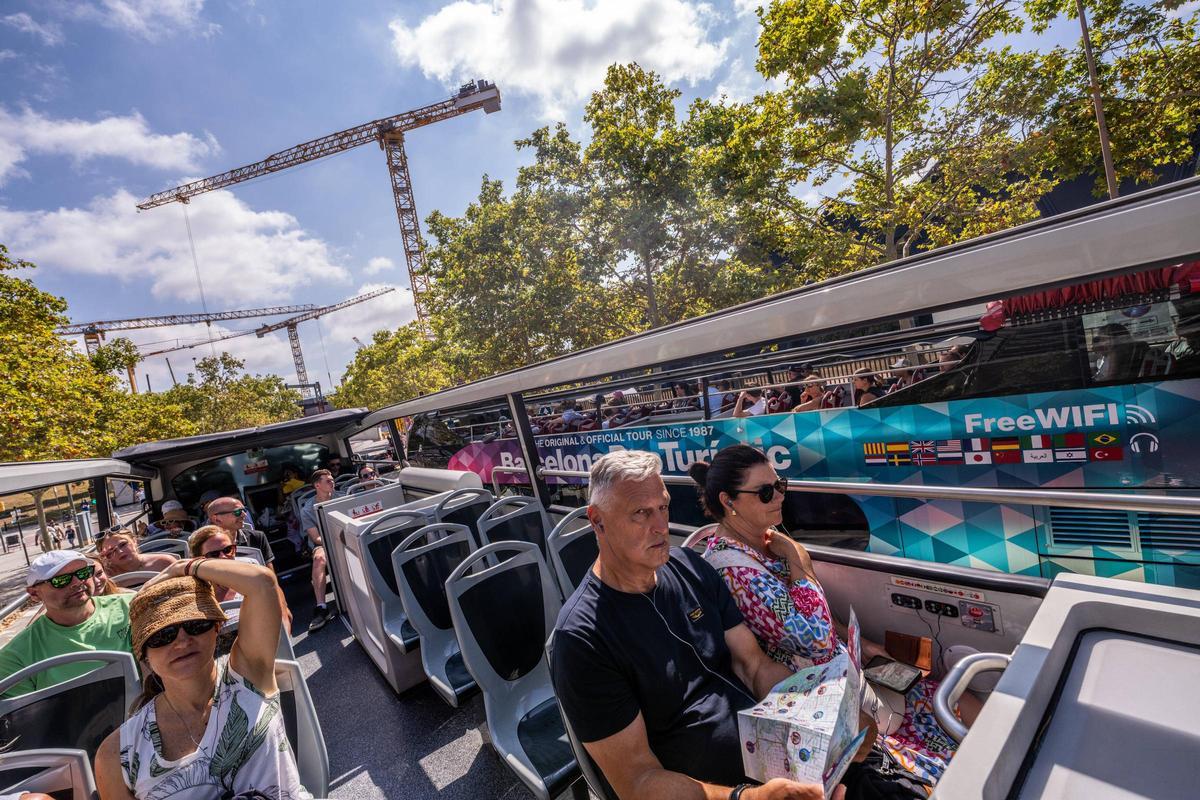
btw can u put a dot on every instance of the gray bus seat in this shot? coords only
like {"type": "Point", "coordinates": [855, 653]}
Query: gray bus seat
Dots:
{"type": "Point", "coordinates": [341, 481]}
{"type": "Point", "coordinates": [245, 551]}
{"type": "Point", "coordinates": [422, 562]}
{"type": "Point", "coordinates": [178, 547]}
{"type": "Point", "coordinates": [378, 541]}
{"type": "Point", "coordinates": [133, 580]}
{"type": "Point", "coordinates": [573, 550]}
{"type": "Point", "coordinates": [465, 507]}
{"type": "Point", "coordinates": [504, 603]}
{"type": "Point", "coordinates": [58, 772]}
{"type": "Point", "coordinates": [590, 769]}
{"type": "Point", "coordinates": [75, 714]}
{"type": "Point", "coordinates": [233, 609]}
{"type": "Point", "coordinates": [303, 728]}
{"type": "Point", "coordinates": [358, 485]}
{"type": "Point", "coordinates": [514, 519]}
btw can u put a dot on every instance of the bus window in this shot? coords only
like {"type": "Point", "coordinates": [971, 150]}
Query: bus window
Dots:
{"type": "Point", "coordinates": [237, 472]}
{"type": "Point", "coordinates": [1143, 341]}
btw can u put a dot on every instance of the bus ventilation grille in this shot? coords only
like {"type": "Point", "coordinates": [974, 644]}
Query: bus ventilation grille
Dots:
{"type": "Point", "coordinates": [1085, 527]}
{"type": "Point", "coordinates": [1169, 531]}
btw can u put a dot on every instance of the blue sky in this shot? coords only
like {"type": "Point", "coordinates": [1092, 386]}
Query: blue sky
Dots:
{"type": "Point", "coordinates": [106, 101]}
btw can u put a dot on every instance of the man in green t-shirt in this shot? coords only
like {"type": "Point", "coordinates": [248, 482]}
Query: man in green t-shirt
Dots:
{"type": "Point", "coordinates": [74, 621]}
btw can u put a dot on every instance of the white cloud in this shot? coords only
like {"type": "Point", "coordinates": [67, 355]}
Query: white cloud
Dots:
{"type": "Point", "coordinates": [148, 19]}
{"type": "Point", "coordinates": [558, 50]}
{"type": "Point", "coordinates": [246, 257]}
{"type": "Point", "coordinates": [50, 33]}
{"type": "Point", "coordinates": [742, 81]}
{"type": "Point", "coordinates": [379, 264]}
{"type": "Point", "coordinates": [126, 137]}
{"type": "Point", "coordinates": [5, 55]}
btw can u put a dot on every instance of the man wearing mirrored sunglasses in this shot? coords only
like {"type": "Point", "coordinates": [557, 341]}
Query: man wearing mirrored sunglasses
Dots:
{"type": "Point", "coordinates": [231, 515]}
{"type": "Point", "coordinates": [74, 621]}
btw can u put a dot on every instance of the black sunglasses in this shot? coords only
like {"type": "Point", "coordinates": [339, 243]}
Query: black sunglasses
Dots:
{"type": "Point", "coordinates": [767, 491]}
{"type": "Point", "coordinates": [237, 512]}
{"type": "Point", "coordinates": [194, 627]}
{"type": "Point", "coordinates": [227, 552]}
{"type": "Point", "coordinates": [83, 573]}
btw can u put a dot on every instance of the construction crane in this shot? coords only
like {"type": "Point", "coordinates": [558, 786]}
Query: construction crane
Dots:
{"type": "Point", "coordinates": [389, 133]}
{"type": "Point", "coordinates": [294, 335]}
{"type": "Point", "coordinates": [94, 332]}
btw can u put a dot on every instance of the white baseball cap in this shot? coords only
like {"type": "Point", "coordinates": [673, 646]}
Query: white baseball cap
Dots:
{"type": "Point", "coordinates": [47, 565]}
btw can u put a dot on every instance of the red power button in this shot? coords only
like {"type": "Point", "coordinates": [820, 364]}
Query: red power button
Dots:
{"type": "Point", "coordinates": [975, 611]}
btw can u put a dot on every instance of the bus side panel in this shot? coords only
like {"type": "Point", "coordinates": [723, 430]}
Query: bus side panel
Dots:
{"type": "Point", "coordinates": [980, 535]}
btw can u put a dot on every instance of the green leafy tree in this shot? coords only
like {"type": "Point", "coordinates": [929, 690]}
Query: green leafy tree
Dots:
{"type": "Point", "coordinates": [50, 395]}
{"type": "Point", "coordinates": [221, 396]}
{"type": "Point", "coordinates": [395, 366]}
{"type": "Point", "coordinates": [119, 356]}
{"type": "Point", "coordinates": [1148, 66]}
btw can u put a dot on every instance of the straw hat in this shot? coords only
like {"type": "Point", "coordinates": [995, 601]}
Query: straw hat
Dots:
{"type": "Point", "coordinates": [167, 603]}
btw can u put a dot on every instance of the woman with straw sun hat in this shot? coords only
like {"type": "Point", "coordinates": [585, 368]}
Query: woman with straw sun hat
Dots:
{"type": "Point", "coordinates": [204, 726]}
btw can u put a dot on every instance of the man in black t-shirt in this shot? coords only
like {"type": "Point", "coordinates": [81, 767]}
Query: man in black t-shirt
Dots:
{"type": "Point", "coordinates": [651, 658]}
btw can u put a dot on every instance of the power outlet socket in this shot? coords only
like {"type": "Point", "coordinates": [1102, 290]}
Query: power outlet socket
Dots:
{"type": "Point", "coordinates": [941, 609]}
{"type": "Point", "coordinates": [906, 601]}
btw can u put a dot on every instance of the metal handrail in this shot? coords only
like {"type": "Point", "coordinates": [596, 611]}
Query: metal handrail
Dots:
{"type": "Point", "coordinates": [1033, 497]}
{"type": "Point", "coordinates": [509, 471]}
{"type": "Point", "coordinates": [956, 682]}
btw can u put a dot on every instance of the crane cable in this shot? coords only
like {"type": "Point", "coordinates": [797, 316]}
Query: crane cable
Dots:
{"type": "Point", "coordinates": [199, 283]}
{"type": "Point", "coordinates": [324, 354]}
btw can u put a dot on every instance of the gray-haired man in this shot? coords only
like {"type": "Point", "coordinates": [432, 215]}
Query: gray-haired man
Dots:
{"type": "Point", "coordinates": [652, 661]}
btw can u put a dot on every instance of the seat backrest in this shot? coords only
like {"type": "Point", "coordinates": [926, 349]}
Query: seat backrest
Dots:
{"type": "Point", "coordinates": [573, 550]}
{"type": "Point", "coordinates": [132, 580]}
{"type": "Point", "coordinates": [356, 486]}
{"type": "Point", "coordinates": [696, 540]}
{"type": "Point", "coordinates": [590, 769]}
{"type": "Point", "coordinates": [465, 507]}
{"type": "Point", "coordinates": [246, 551]}
{"type": "Point", "coordinates": [341, 481]}
{"type": "Point", "coordinates": [504, 604]}
{"type": "Point", "coordinates": [422, 563]}
{"type": "Point", "coordinates": [76, 714]}
{"type": "Point", "coordinates": [233, 610]}
{"type": "Point", "coordinates": [175, 546]}
{"type": "Point", "coordinates": [58, 772]}
{"type": "Point", "coordinates": [303, 728]}
{"type": "Point", "coordinates": [380, 538]}
{"type": "Point", "coordinates": [514, 519]}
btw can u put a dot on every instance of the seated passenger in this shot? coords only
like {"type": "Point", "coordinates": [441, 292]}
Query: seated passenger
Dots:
{"type": "Point", "coordinates": [1115, 351]}
{"type": "Point", "coordinates": [812, 396]}
{"type": "Point", "coordinates": [175, 521]}
{"type": "Point", "coordinates": [203, 726]}
{"type": "Point", "coordinates": [119, 552]}
{"type": "Point", "coordinates": [949, 359]}
{"type": "Point", "coordinates": [291, 480]}
{"type": "Point", "coordinates": [323, 483]}
{"type": "Point", "coordinates": [685, 397]}
{"type": "Point", "coordinates": [720, 397]}
{"type": "Point", "coordinates": [750, 403]}
{"type": "Point", "coordinates": [231, 515]}
{"type": "Point", "coordinates": [214, 542]}
{"type": "Point", "coordinates": [74, 620]}
{"type": "Point", "coordinates": [772, 580]}
{"type": "Point", "coordinates": [651, 658]}
{"type": "Point", "coordinates": [866, 389]}
{"type": "Point", "coordinates": [102, 584]}
{"type": "Point", "coordinates": [570, 414]}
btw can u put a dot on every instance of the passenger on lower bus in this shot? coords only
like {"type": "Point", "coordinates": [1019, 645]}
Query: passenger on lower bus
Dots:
{"type": "Point", "coordinates": [323, 484]}
{"type": "Point", "coordinates": [772, 579]}
{"type": "Point", "coordinates": [119, 552]}
{"type": "Point", "coordinates": [61, 580]}
{"type": "Point", "coordinates": [750, 403]}
{"type": "Point", "coordinates": [720, 397]}
{"type": "Point", "coordinates": [651, 657]}
{"type": "Point", "coordinates": [866, 388]}
{"type": "Point", "coordinates": [812, 396]}
{"type": "Point", "coordinates": [203, 726]}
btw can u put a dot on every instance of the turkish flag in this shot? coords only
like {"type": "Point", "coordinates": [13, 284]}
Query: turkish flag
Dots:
{"type": "Point", "coordinates": [1106, 454]}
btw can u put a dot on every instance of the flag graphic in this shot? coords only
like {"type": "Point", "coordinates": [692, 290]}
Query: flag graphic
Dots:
{"type": "Point", "coordinates": [1105, 439]}
{"type": "Point", "coordinates": [1074, 454]}
{"type": "Point", "coordinates": [898, 459]}
{"type": "Point", "coordinates": [876, 461]}
{"type": "Point", "coordinates": [1068, 441]}
{"type": "Point", "coordinates": [1106, 454]}
{"type": "Point", "coordinates": [873, 448]}
{"type": "Point", "coordinates": [977, 444]}
{"type": "Point", "coordinates": [1006, 456]}
{"type": "Point", "coordinates": [897, 447]}
{"type": "Point", "coordinates": [1036, 442]}
{"type": "Point", "coordinates": [1037, 456]}
{"type": "Point", "coordinates": [1006, 443]}
{"type": "Point", "coordinates": [978, 457]}
{"type": "Point", "coordinates": [924, 458]}
{"type": "Point", "coordinates": [949, 451]}
{"type": "Point", "coordinates": [923, 446]}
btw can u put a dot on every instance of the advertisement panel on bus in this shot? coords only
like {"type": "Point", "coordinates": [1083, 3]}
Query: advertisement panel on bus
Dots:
{"type": "Point", "coordinates": [1133, 436]}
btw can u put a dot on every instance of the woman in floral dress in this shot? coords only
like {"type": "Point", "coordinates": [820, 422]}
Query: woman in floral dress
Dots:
{"type": "Point", "coordinates": [772, 580]}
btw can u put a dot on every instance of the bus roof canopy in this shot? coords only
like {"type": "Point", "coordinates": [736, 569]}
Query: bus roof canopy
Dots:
{"type": "Point", "coordinates": [1157, 226]}
{"type": "Point", "coordinates": [24, 476]}
{"type": "Point", "coordinates": [225, 441]}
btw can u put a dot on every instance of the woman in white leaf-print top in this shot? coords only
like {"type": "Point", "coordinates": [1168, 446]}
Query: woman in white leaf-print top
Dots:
{"type": "Point", "coordinates": [203, 727]}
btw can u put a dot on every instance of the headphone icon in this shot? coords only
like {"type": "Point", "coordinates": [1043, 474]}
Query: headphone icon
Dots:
{"type": "Point", "coordinates": [1146, 442]}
